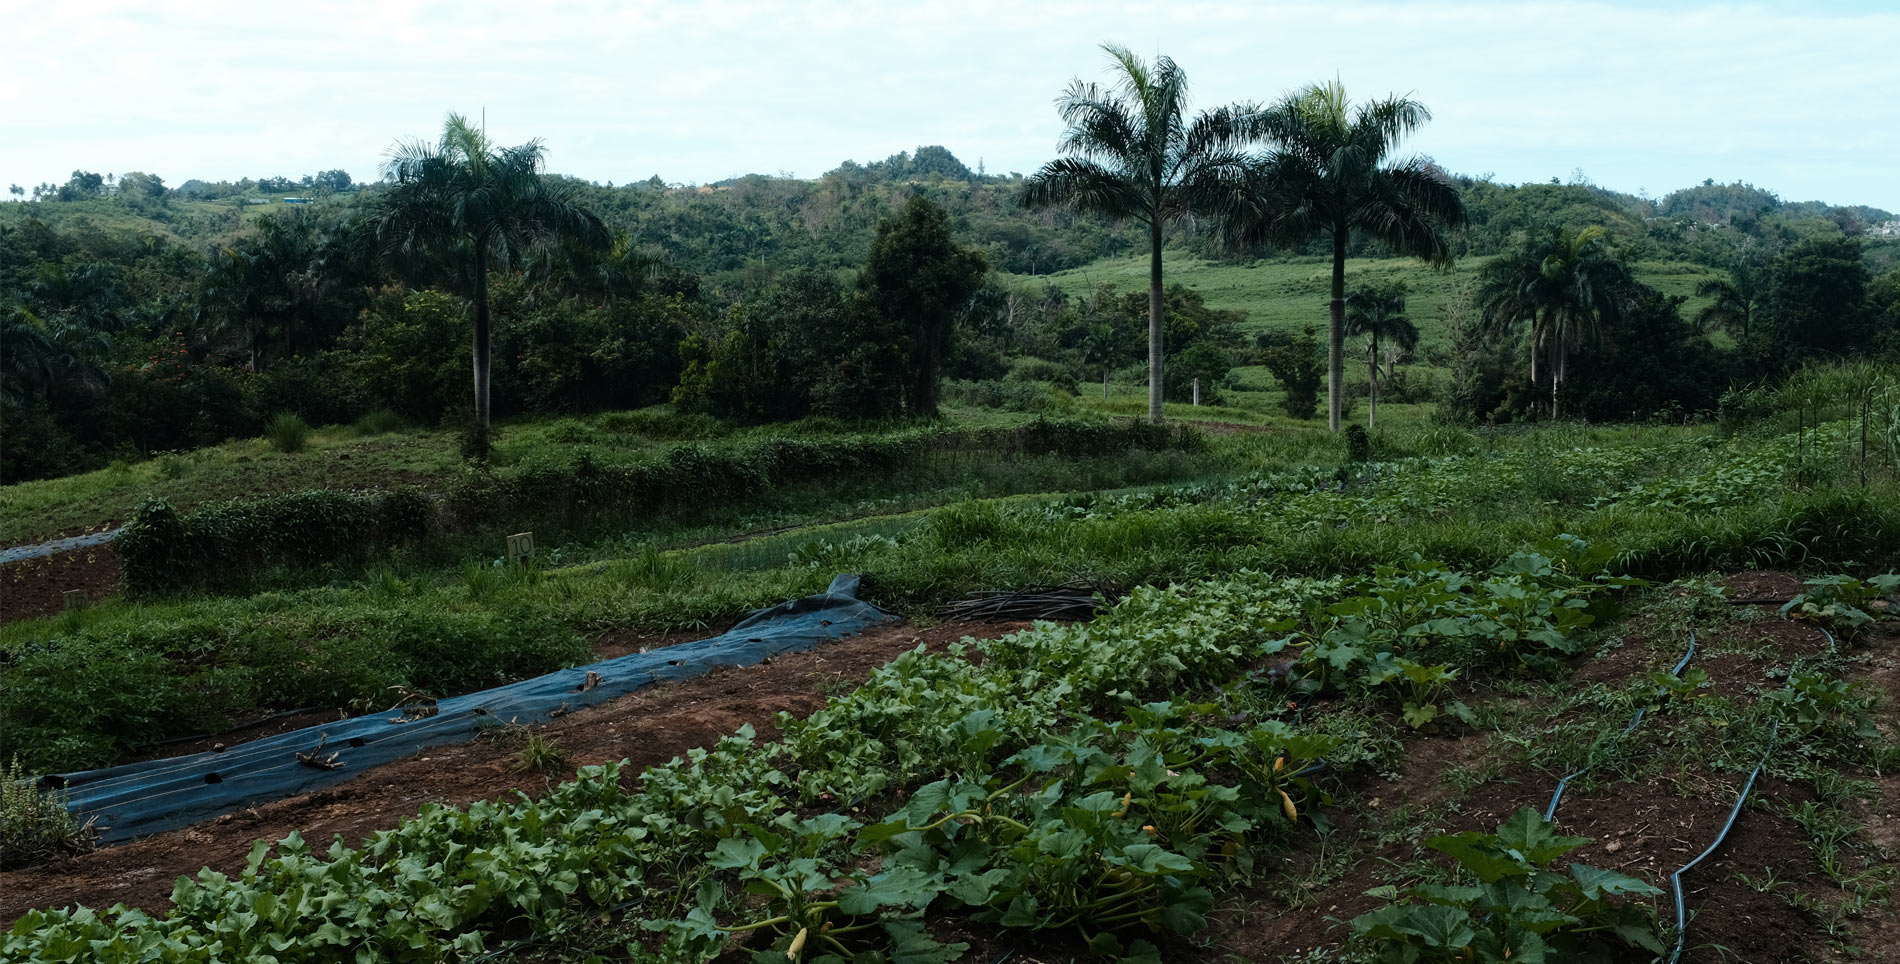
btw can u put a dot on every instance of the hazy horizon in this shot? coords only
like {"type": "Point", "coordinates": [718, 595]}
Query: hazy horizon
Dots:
{"type": "Point", "coordinates": [1639, 98]}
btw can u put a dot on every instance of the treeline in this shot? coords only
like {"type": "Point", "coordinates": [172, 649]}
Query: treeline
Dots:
{"type": "Point", "coordinates": [1558, 327]}
{"type": "Point", "coordinates": [765, 298]}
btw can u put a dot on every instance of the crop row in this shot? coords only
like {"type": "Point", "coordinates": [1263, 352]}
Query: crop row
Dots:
{"type": "Point", "coordinates": [1168, 799]}
{"type": "Point", "coordinates": [110, 679]}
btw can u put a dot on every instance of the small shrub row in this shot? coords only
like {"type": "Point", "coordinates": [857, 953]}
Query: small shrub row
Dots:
{"type": "Point", "coordinates": [92, 694]}
{"type": "Point", "coordinates": [225, 543]}
{"type": "Point", "coordinates": [693, 474]}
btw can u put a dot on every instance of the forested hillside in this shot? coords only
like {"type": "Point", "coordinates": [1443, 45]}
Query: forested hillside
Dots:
{"type": "Point", "coordinates": [141, 318]}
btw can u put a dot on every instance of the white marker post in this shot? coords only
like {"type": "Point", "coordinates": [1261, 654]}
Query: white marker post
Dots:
{"type": "Point", "coordinates": [521, 548]}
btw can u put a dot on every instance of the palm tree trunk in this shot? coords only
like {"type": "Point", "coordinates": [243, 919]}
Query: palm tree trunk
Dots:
{"type": "Point", "coordinates": [1154, 323]}
{"type": "Point", "coordinates": [1372, 374]}
{"type": "Point", "coordinates": [1556, 373]}
{"type": "Point", "coordinates": [481, 338]}
{"type": "Point", "coordinates": [1336, 347]}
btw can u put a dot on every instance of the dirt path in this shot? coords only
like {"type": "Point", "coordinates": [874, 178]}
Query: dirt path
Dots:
{"type": "Point", "coordinates": [645, 729]}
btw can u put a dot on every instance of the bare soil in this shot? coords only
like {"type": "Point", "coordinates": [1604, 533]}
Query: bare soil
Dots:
{"type": "Point", "coordinates": [32, 588]}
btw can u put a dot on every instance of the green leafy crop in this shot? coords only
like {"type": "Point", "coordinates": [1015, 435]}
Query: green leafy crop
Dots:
{"type": "Point", "coordinates": [1518, 910]}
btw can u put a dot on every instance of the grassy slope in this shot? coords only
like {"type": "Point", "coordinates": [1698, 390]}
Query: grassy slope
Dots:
{"type": "Point", "coordinates": [1286, 295]}
{"type": "Point", "coordinates": [340, 457]}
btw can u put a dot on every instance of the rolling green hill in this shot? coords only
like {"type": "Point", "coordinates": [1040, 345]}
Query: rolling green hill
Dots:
{"type": "Point", "coordinates": [1286, 295]}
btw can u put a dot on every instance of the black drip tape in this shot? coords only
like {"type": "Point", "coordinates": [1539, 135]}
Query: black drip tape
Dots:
{"type": "Point", "coordinates": [1675, 879]}
{"type": "Point", "coordinates": [1551, 810]}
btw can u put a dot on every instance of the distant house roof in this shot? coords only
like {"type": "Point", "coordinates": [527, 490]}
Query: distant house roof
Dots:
{"type": "Point", "coordinates": [296, 200]}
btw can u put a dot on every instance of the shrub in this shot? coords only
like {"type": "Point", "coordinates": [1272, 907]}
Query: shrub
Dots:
{"type": "Point", "coordinates": [1297, 364]}
{"type": "Point", "coordinates": [288, 433]}
{"type": "Point", "coordinates": [226, 543]}
{"type": "Point", "coordinates": [477, 442]}
{"type": "Point", "coordinates": [1358, 444]}
{"type": "Point", "coordinates": [380, 422]}
{"type": "Point", "coordinates": [1043, 370]}
{"type": "Point", "coordinates": [35, 825]}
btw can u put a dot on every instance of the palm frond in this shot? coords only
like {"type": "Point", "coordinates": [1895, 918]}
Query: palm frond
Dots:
{"type": "Point", "coordinates": [1085, 186]}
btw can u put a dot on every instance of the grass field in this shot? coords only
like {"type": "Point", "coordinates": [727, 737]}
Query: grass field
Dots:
{"type": "Point", "coordinates": [1287, 295]}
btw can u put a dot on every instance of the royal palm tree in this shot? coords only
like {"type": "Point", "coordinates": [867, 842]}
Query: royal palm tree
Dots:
{"type": "Point", "coordinates": [1328, 171]}
{"type": "Point", "coordinates": [481, 207]}
{"type": "Point", "coordinates": [1132, 153]}
{"type": "Point", "coordinates": [1378, 313]}
{"type": "Point", "coordinates": [1565, 285]}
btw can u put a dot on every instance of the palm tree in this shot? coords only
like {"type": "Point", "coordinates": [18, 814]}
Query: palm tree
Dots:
{"type": "Point", "coordinates": [1101, 344]}
{"type": "Point", "coordinates": [1326, 171]}
{"type": "Point", "coordinates": [1566, 285]}
{"type": "Point", "coordinates": [1132, 154]}
{"type": "Point", "coordinates": [1735, 299]}
{"type": "Point", "coordinates": [39, 357]}
{"type": "Point", "coordinates": [1378, 313]}
{"type": "Point", "coordinates": [465, 200]}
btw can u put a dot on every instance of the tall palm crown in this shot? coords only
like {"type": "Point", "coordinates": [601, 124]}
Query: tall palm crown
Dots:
{"type": "Point", "coordinates": [1565, 285]}
{"type": "Point", "coordinates": [1378, 313]}
{"type": "Point", "coordinates": [1328, 171]}
{"type": "Point", "coordinates": [465, 201]}
{"type": "Point", "coordinates": [1132, 153]}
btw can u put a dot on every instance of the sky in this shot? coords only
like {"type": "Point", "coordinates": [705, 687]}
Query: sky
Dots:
{"type": "Point", "coordinates": [1801, 98]}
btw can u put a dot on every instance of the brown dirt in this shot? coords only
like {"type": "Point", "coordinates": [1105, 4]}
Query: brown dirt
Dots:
{"type": "Point", "coordinates": [32, 588]}
{"type": "Point", "coordinates": [1645, 830]}
{"type": "Point", "coordinates": [646, 728]}
{"type": "Point", "coordinates": [1758, 584]}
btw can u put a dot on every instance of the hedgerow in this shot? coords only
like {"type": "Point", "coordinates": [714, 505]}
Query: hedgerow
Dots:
{"type": "Point", "coordinates": [227, 545]}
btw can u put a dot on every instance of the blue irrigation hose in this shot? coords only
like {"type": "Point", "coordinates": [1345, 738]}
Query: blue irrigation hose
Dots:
{"type": "Point", "coordinates": [1551, 810]}
{"type": "Point", "coordinates": [1675, 879]}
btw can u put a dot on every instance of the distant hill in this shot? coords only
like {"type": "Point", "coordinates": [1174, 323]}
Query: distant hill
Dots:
{"type": "Point", "coordinates": [737, 234]}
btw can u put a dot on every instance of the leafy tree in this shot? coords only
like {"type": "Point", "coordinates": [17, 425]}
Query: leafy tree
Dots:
{"type": "Point", "coordinates": [41, 357]}
{"type": "Point", "coordinates": [1378, 313]}
{"type": "Point", "coordinates": [257, 293]}
{"type": "Point", "coordinates": [83, 184]}
{"type": "Point", "coordinates": [1295, 362]}
{"type": "Point", "coordinates": [1204, 362]}
{"type": "Point", "coordinates": [16, 190]}
{"type": "Point", "coordinates": [463, 200]}
{"type": "Point", "coordinates": [1883, 301]}
{"type": "Point", "coordinates": [1565, 285]}
{"type": "Point", "coordinates": [1816, 300]}
{"type": "Point", "coordinates": [139, 184]}
{"type": "Point", "coordinates": [1132, 154]}
{"type": "Point", "coordinates": [1327, 172]}
{"type": "Point", "coordinates": [773, 353]}
{"type": "Point", "coordinates": [1650, 363]}
{"type": "Point", "coordinates": [912, 290]}
{"type": "Point", "coordinates": [403, 350]}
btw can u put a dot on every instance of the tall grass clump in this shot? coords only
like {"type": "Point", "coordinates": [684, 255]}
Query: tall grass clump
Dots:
{"type": "Point", "coordinates": [380, 422]}
{"type": "Point", "coordinates": [287, 433]}
{"type": "Point", "coordinates": [35, 825]}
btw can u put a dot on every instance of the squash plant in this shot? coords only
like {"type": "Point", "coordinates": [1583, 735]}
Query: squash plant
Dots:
{"type": "Point", "coordinates": [1519, 911]}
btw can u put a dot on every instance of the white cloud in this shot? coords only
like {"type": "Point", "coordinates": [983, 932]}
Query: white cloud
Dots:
{"type": "Point", "coordinates": [1799, 99]}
